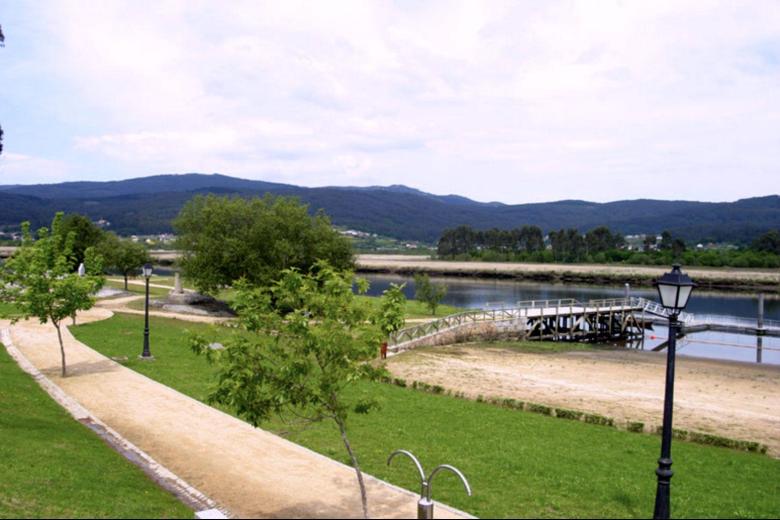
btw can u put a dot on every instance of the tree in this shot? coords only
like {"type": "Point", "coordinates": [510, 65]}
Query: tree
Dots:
{"type": "Point", "coordinates": [85, 235]}
{"type": "Point", "coordinates": [225, 239]}
{"type": "Point", "coordinates": [769, 242]}
{"type": "Point", "coordinates": [123, 255]}
{"type": "Point", "coordinates": [648, 243]}
{"type": "Point", "coordinates": [40, 281]}
{"type": "Point", "coordinates": [428, 293]}
{"type": "Point", "coordinates": [391, 309]}
{"type": "Point", "coordinates": [308, 339]}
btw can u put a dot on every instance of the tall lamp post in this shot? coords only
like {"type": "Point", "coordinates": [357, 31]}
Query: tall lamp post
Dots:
{"type": "Point", "coordinates": [674, 289]}
{"type": "Point", "coordinates": [146, 354]}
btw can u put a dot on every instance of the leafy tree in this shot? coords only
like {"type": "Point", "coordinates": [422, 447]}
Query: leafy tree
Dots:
{"type": "Point", "coordinates": [391, 309]}
{"type": "Point", "coordinates": [308, 340]}
{"type": "Point", "coordinates": [123, 255]}
{"type": "Point", "coordinates": [428, 293]}
{"type": "Point", "coordinates": [769, 242]}
{"type": "Point", "coordinates": [85, 235]}
{"type": "Point", "coordinates": [226, 239]}
{"type": "Point", "coordinates": [40, 281]}
{"type": "Point", "coordinates": [649, 242]}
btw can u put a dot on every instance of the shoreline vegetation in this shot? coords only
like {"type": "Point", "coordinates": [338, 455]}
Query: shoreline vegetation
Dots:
{"type": "Point", "coordinates": [721, 279]}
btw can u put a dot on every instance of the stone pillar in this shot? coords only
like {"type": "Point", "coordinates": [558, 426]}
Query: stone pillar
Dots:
{"type": "Point", "coordinates": [177, 283]}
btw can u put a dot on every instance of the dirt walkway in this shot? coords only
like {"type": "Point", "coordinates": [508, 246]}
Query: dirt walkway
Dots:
{"type": "Point", "coordinates": [247, 470]}
{"type": "Point", "coordinates": [735, 400]}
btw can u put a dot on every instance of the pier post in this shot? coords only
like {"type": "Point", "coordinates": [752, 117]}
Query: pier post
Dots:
{"type": "Point", "coordinates": [760, 326]}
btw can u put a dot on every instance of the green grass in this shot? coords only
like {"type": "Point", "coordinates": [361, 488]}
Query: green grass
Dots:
{"type": "Point", "coordinates": [520, 464]}
{"type": "Point", "coordinates": [7, 310]}
{"type": "Point", "coordinates": [138, 289]}
{"type": "Point", "coordinates": [54, 467]}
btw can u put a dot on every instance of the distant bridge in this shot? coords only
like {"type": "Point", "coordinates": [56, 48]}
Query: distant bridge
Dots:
{"type": "Point", "coordinates": [571, 320]}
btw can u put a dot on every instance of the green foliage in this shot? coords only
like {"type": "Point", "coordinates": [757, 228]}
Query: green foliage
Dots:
{"type": "Point", "coordinates": [600, 245]}
{"type": "Point", "coordinates": [427, 292]}
{"type": "Point", "coordinates": [594, 418]}
{"type": "Point", "coordinates": [768, 242]}
{"type": "Point", "coordinates": [310, 339]}
{"type": "Point", "coordinates": [40, 282]}
{"type": "Point", "coordinates": [539, 408]}
{"type": "Point", "coordinates": [391, 309]}
{"type": "Point", "coordinates": [565, 413]}
{"type": "Point", "coordinates": [123, 255]}
{"type": "Point", "coordinates": [85, 235]}
{"type": "Point", "coordinates": [228, 239]}
{"type": "Point", "coordinates": [635, 426]}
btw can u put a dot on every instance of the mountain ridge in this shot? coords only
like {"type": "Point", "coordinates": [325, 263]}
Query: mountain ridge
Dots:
{"type": "Point", "coordinates": [144, 205]}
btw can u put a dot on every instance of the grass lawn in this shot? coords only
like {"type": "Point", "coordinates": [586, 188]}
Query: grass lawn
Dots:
{"type": "Point", "coordinates": [519, 464]}
{"type": "Point", "coordinates": [7, 310]}
{"type": "Point", "coordinates": [154, 292]}
{"type": "Point", "coordinates": [53, 467]}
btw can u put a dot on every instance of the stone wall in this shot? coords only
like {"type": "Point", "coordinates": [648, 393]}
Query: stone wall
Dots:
{"type": "Point", "coordinates": [483, 330]}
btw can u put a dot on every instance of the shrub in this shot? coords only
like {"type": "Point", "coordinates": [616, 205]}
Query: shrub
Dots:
{"type": "Point", "coordinates": [539, 408]}
{"type": "Point", "coordinates": [564, 413]}
{"type": "Point", "coordinates": [594, 418]}
{"type": "Point", "coordinates": [399, 382]}
{"type": "Point", "coordinates": [635, 426]}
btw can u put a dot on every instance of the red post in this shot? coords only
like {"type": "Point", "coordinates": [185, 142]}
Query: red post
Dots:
{"type": "Point", "coordinates": [383, 350]}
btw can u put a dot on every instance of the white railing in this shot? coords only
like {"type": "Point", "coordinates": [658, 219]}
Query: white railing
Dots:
{"type": "Point", "coordinates": [565, 306]}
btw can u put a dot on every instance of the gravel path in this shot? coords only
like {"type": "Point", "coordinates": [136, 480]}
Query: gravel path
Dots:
{"type": "Point", "coordinates": [249, 471]}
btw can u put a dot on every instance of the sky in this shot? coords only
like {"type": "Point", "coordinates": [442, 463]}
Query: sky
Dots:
{"type": "Point", "coordinates": [497, 101]}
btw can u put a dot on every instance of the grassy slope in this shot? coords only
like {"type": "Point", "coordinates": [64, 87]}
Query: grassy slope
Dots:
{"type": "Point", "coordinates": [519, 464]}
{"type": "Point", "coordinates": [53, 466]}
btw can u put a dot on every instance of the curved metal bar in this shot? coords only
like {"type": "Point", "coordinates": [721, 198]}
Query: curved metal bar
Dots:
{"type": "Point", "coordinates": [454, 470]}
{"type": "Point", "coordinates": [423, 482]}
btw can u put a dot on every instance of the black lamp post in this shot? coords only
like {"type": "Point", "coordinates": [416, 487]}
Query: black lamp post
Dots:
{"type": "Point", "coordinates": [147, 271]}
{"type": "Point", "coordinates": [674, 289]}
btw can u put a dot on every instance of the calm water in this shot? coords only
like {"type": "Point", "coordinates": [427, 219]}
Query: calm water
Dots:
{"type": "Point", "coordinates": [482, 293]}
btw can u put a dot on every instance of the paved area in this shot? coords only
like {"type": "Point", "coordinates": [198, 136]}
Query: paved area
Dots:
{"type": "Point", "coordinates": [249, 471]}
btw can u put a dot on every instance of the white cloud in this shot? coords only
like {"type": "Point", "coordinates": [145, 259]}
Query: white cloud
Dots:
{"type": "Point", "coordinates": [657, 99]}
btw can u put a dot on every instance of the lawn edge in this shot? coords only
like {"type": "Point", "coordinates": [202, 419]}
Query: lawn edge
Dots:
{"type": "Point", "coordinates": [159, 474]}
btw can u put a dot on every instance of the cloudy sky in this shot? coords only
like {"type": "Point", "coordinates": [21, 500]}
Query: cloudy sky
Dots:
{"type": "Point", "coordinates": [516, 102]}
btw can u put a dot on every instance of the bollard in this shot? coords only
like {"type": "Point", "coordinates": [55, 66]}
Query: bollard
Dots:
{"type": "Point", "coordinates": [425, 504]}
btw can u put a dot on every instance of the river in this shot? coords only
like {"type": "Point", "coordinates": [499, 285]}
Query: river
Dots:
{"type": "Point", "coordinates": [485, 293]}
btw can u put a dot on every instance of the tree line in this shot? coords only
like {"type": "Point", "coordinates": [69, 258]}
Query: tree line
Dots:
{"type": "Point", "coordinates": [599, 245]}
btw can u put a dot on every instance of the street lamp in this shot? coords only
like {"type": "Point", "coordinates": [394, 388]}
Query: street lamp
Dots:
{"type": "Point", "coordinates": [674, 289]}
{"type": "Point", "coordinates": [147, 272]}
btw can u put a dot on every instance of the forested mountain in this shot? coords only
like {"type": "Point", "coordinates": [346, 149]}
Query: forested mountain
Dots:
{"type": "Point", "coordinates": [147, 205]}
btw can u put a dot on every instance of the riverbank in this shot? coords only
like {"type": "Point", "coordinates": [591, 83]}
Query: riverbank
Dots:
{"type": "Point", "coordinates": [723, 279]}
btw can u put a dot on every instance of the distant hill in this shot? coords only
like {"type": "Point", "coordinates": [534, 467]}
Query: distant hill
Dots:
{"type": "Point", "coordinates": [147, 205]}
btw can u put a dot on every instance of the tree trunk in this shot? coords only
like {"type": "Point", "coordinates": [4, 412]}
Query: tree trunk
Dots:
{"type": "Point", "coordinates": [363, 495]}
{"type": "Point", "coordinates": [125, 282]}
{"type": "Point", "coordinates": [62, 347]}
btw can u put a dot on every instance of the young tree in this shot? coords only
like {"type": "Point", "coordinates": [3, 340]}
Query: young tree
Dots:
{"type": "Point", "coordinates": [225, 239]}
{"type": "Point", "coordinates": [124, 256]}
{"type": "Point", "coordinates": [309, 339]}
{"type": "Point", "coordinates": [428, 293]}
{"type": "Point", "coordinates": [40, 281]}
